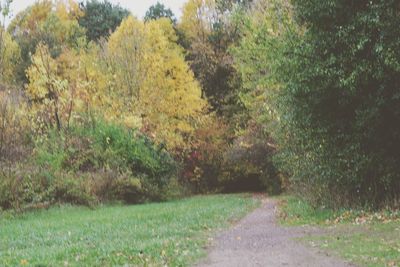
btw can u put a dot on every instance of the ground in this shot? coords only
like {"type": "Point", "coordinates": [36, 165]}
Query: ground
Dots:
{"type": "Point", "coordinates": [159, 234]}
{"type": "Point", "coordinates": [180, 233]}
{"type": "Point", "coordinates": [365, 237]}
{"type": "Point", "coordinates": [258, 240]}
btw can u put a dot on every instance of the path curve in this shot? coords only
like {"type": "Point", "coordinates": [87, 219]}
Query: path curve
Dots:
{"type": "Point", "coordinates": [257, 240]}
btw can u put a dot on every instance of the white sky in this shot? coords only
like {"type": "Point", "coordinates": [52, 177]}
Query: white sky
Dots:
{"type": "Point", "coordinates": [137, 7]}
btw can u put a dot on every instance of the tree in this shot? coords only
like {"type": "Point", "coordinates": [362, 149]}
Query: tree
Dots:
{"type": "Point", "coordinates": [9, 58]}
{"type": "Point", "coordinates": [263, 26]}
{"type": "Point", "coordinates": [154, 82]}
{"type": "Point", "coordinates": [158, 11]}
{"type": "Point", "coordinates": [9, 50]}
{"type": "Point", "coordinates": [100, 19]}
{"type": "Point", "coordinates": [339, 102]}
{"type": "Point", "coordinates": [46, 88]}
{"type": "Point", "coordinates": [213, 29]}
{"type": "Point", "coordinates": [73, 88]}
{"type": "Point", "coordinates": [5, 9]}
{"type": "Point", "coordinates": [54, 24]}
{"type": "Point", "coordinates": [90, 82]}
{"type": "Point", "coordinates": [209, 32]}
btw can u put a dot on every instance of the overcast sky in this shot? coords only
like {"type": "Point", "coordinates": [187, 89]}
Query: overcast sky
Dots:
{"type": "Point", "coordinates": [137, 7]}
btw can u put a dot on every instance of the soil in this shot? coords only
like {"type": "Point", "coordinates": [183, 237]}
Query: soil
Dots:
{"type": "Point", "coordinates": [258, 240]}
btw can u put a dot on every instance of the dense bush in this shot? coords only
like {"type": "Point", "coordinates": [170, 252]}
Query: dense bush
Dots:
{"type": "Point", "coordinates": [15, 143]}
{"type": "Point", "coordinates": [18, 188]}
{"type": "Point", "coordinates": [339, 103]}
{"type": "Point", "coordinates": [88, 165]}
{"type": "Point", "coordinates": [223, 162]}
{"type": "Point", "coordinates": [248, 165]}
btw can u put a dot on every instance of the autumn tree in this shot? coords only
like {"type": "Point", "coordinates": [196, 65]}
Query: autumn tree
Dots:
{"type": "Point", "coordinates": [75, 87]}
{"type": "Point", "coordinates": [46, 88]}
{"type": "Point", "coordinates": [54, 24]}
{"type": "Point", "coordinates": [209, 29]}
{"type": "Point", "coordinates": [9, 58]}
{"type": "Point", "coordinates": [89, 80]}
{"type": "Point", "coordinates": [154, 81]}
{"type": "Point", "coordinates": [9, 50]}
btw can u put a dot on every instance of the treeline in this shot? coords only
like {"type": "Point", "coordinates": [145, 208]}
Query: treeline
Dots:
{"type": "Point", "coordinates": [327, 74]}
{"type": "Point", "coordinates": [98, 106]}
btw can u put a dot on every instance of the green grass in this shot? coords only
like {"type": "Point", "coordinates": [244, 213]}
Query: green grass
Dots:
{"type": "Point", "coordinates": [375, 244]}
{"type": "Point", "coordinates": [294, 211]}
{"type": "Point", "coordinates": [164, 234]}
{"type": "Point", "coordinates": [368, 239]}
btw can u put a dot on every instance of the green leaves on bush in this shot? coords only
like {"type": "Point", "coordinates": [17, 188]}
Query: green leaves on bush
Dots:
{"type": "Point", "coordinates": [339, 105]}
{"type": "Point", "coordinates": [87, 165]}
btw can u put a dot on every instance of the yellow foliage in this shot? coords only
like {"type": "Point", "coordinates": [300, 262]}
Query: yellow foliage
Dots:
{"type": "Point", "coordinates": [155, 81]}
{"type": "Point", "coordinates": [9, 57]}
{"type": "Point", "coordinates": [68, 10]}
{"type": "Point", "coordinates": [139, 79]}
{"type": "Point", "coordinates": [198, 18]}
{"type": "Point", "coordinates": [92, 84]}
{"type": "Point", "coordinates": [46, 88]}
{"type": "Point", "coordinates": [57, 21]}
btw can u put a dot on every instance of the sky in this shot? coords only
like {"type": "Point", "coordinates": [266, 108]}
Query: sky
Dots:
{"type": "Point", "coordinates": [137, 7]}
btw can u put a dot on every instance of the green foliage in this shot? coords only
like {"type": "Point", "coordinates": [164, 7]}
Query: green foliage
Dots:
{"type": "Point", "coordinates": [158, 11]}
{"type": "Point", "coordinates": [116, 148]}
{"type": "Point", "coordinates": [339, 101]}
{"type": "Point", "coordinates": [100, 19]}
{"type": "Point", "coordinates": [250, 156]}
{"type": "Point", "coordinates": [86, 166]}
{"type": "Point", "coordinates": [107, 147]}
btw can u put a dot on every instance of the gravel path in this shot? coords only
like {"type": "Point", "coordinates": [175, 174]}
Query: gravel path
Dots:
{"type": "Point", "coordinates": [257, 240]}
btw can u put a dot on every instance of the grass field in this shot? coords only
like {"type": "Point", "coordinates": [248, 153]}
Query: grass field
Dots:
{"type": "Point", "coordinates": [165, 234]}
{"type": "Point", "coordinates": [365, 238]}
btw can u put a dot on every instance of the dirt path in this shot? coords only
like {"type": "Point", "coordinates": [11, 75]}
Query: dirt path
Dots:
{"type": "Point", "coordinates": [257, 240]}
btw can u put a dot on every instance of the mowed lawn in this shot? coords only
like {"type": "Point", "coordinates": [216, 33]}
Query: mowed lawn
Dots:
{"type": "Point", "coordinates": [162, 234]}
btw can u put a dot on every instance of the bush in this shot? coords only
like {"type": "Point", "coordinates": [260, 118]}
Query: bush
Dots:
{"type": "Point", "coordinates": [339, 103]}
{"type": "Point", "coordinates": [21, 188]}
{"type": "Point", "coordinates": [88, 165]}
{"type": "Point", "coordinates": [107, 147]}
{"type": "Point", "coordinates": [66, 188]}
{"type": "Point", "coordinates": [14, 128]}
{"type": "Point", "coordinates": [223, 162]}
{"type": "Point", "coordinates": [117, 147]}
{"type": "Point", "coordinates": [127, 189]}
{"type": "Point", "coordinates": [248, 165]}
